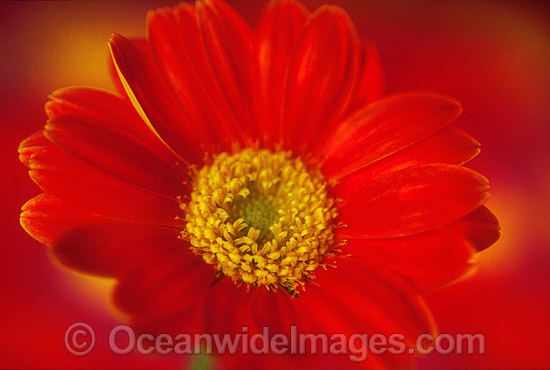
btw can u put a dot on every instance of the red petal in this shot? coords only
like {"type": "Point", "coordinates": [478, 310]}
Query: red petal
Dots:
{"type": "Point", "coordinates": [371, 81]}
{"type": "Point", "coordinates": [119, 87]}
{"type": "Point", "coordinates": [429, 260]}
{"type": "Point", "coordinates": [276, 309]}
{"type": "Point", "coordinates": [358, 297]}
{"type": "Point", "coordinates": [449, 145]}
{"type": "Point", "coordinates": [480, 227]}
{"type": "Point", "coordinates": [410, 201]}
{"type": "Point", "coordinates": [235, 301]}
{"type": "Point", "coordinates": [167, 284]}
{"type": "Point", "coordinates": [115, 112]}
{"type": "Point", "coordinates": [228, 44]}
{"type": "Point", "coordinates": [382, 128]}
{"type": "Point", "coordinates": [86, 138]}
{"type": "Point", "coordinates": [33, 143]}
{"type": "Point", "coordinates": [154, 101]}
{"type": "Point", "coordinates": [96, 103]}
{"type": "Point", "coordinates": [179, 52]}
{"type": "Point", "coordinates": [253, 308]}
{"type": "Point", "coordinates": [92, 191]}
{"type": "Point", "coordinates": [112, 249]}
{"type": "Point", "coordinates": [278, 30]}
{"type": "Point", "coordinates": [434, 258]}
{"type": "Point", "coordinates": [322, 76]}
{"type": "Point", "coordinates": [47, 219]}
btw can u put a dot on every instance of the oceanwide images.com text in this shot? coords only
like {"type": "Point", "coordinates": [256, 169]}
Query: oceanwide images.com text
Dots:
{"type": "Point", "coordinates": [80, 340]}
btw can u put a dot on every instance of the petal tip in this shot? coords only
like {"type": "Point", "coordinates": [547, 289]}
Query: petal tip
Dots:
{"type": "Point", "coordinates": [116, 39]}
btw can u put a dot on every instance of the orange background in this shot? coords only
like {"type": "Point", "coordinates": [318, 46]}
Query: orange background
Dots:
{"type": "Point", "coordinates": [493, 56]}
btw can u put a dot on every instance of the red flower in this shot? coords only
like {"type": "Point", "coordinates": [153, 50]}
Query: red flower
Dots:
{"type": "Point", "coordinates": [258, 178]}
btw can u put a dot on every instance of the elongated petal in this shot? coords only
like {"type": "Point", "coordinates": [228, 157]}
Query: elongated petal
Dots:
{"type": "Point", "coordinates": [116, 111]}
{"type": "Point", "coordinates": [449, 145]}
{"type": "Point", "coordinates": [86, 138]}
{"type": "Point", "coordinates": [119, 87]}
{"type": "Point", "coordinates": [278, 30]}
{"type": "Point", "coordinates": [373, 299]}
{"type": "Point", "coordinates": [384, 127]}
{"type": "Point", "coordinates": [432, 259]}
{"type": "Point", "coordinates": [93, 102]}
{"type": "Point", "coordinates": [47, 219]}
{"type": "Point", "coordinates": [93, 191]}
{"type": "Point", "coordinates": [111, 249]}
{"type": "Point", "coordinates": [411, 201]}
{"type": "Point", "coordinates": [228, 44]}
{"type": "Point", "coordinates": [429, 260]}
{"type": "Point", "coordinates": [322, 76]}
{"type": "Point", "coordinates": [169, 283]}
{"type": "Point", "coordinates": [371, 81]}
{"type": "Point", "coordinates": [279, 312]}
{"type": "Point", "coordinates": [113, 113]}
{"type": "Point", "coordinates": [178, 50]}
{"type": "Point", "coordinates": [154, 101]}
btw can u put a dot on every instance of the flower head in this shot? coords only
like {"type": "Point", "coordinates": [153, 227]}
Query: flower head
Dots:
{"type": "Point", "coordinates": [258, 178]}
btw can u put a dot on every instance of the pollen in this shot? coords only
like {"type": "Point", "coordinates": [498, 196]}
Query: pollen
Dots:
{"type": "Point", "coordinates": [262, 218]}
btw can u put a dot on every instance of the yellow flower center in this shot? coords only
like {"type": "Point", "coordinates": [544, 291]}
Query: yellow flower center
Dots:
{"type": "Point", "coordinates": [262, 218]}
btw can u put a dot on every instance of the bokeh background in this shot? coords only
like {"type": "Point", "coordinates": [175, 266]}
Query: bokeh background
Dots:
{"type": "Point", "coordinates": [494, 56]}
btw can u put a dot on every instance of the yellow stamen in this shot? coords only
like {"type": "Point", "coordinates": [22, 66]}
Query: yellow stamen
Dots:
{"type": "Point", "coordinates": [262, 218]}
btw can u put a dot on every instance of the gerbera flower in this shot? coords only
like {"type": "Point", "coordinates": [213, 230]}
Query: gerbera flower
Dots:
{"type": "Point", "coordinates": [259, 178]}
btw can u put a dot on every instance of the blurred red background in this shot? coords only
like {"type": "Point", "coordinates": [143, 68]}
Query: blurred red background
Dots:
{"type": "Point", "coordinates": [494, 56]}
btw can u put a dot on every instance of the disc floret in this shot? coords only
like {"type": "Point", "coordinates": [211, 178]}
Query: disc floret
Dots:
{"type": "Point", "coordinates": [262, 217]}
